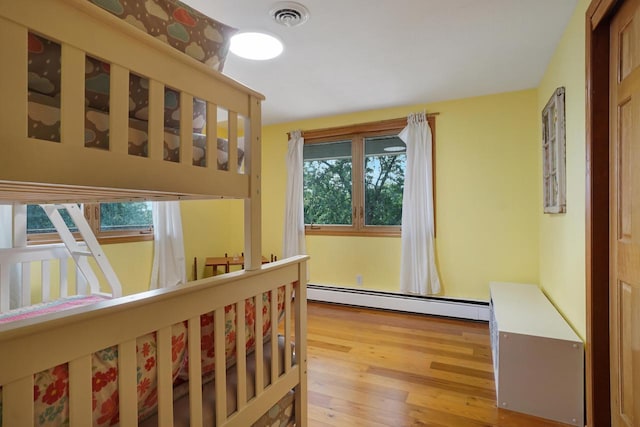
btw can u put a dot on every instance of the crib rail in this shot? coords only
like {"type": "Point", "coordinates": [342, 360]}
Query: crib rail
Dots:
{"type": "Point", "coordinates": [73, 336]}
{"type": "Point", "coordinates": [33, 170]}
{"type": "Point", "coordinates": [56, 279]}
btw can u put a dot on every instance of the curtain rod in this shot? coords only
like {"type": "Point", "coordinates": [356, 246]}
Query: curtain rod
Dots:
{"type": "Point", "coordinates": [380, 125]}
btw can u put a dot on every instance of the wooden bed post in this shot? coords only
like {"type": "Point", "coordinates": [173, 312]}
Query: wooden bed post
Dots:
{"type": "Point", "coordinates": [300, 307]}
{"type": "Point", "coordinates": [253, 204]}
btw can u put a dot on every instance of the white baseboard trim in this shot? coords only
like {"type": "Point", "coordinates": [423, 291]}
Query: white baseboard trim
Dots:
{"type": "Point", "coordinates": [448, 307]}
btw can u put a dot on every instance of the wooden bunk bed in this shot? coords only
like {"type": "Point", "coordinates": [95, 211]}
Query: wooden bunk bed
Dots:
{"type": "Point", "coordinates": [242, 375]}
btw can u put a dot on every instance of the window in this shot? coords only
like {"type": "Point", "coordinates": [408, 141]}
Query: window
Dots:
{"type": "Point", "coordinates": [354, 179]}
{"type": "Point", "coordinates": [110, 222]}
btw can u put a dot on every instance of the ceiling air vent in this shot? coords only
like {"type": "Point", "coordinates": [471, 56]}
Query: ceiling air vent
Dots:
{"type": "Point", "coordinates": [289, 13]}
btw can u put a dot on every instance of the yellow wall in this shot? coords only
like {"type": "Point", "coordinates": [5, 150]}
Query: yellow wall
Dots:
{"type": "Point", "coordinates": [132, 263]}
{"type": "Point", "coordinates": [562, 237]}
{"type": "Point", "coordinates": [486, 206]}
{"type": "Point", "coordinates": [211, 228]}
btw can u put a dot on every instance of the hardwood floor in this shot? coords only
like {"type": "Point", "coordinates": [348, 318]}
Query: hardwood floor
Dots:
{"type": "Point", "coordinates": [375, 368]}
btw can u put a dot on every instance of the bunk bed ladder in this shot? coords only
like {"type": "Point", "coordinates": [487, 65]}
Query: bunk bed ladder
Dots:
{"type": "Point", "coordinates": [81, 254]}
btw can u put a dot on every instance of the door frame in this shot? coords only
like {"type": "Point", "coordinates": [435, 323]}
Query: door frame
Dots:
{"type": "Point", "coordinates": [598, 393]}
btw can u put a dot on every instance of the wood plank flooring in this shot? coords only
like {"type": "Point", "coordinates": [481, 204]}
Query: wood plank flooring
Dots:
{"type": "Point", "coordinates": [375, 368]}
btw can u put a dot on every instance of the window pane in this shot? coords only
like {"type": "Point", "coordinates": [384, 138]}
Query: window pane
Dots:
{"type": "Point", "coordinates": [327, 183]}
{"type": "Point", "coordinates": [385, 162]}
{"type": "Point", "coordinates": [38, 221]}
{"type": "Point", "coordinates": [125, 216]}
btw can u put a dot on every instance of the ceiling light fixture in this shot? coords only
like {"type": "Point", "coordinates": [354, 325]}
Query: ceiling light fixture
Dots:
{"type": "Point", "coordinates": [256, 46]}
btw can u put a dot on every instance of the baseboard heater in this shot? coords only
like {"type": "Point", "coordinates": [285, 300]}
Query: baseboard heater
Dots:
{"type": "Point", "coordinates": [437, 306]}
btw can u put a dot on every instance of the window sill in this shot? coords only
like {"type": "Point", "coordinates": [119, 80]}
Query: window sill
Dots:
{"type": "Point", "coordinates": [354, 233]}
{"type": "Point", "coordinates": [103, 240]}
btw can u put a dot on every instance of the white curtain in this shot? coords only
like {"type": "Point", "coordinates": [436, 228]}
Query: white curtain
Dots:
{"type": "Point", "coordinates": [294, 243]}
{"type": "Point", "coordinates": [169, 267]}
{"type": "Point", "coordinates": [6, 241]}
{"type": "Point", "coordinates": [418, 271]}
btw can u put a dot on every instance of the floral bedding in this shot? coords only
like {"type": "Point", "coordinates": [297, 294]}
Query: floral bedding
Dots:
{"type": "Point", "coordinates": [51, 394]}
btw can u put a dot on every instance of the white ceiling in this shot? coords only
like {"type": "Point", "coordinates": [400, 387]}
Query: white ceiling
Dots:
{"type": "Point", "coordinates": [356, 55]}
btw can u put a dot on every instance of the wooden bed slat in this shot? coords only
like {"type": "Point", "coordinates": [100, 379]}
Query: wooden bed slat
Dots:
{"type": "Point", "coordinates": [80, 395]}
{"type": "Point", "coordinates": [72, 109]}
{"type": "Point", "coordinates": [212, 135]}
{"type": "Point", "coordinates": [241, 354]}
{"type": "Point", "coordinates": [118, 110]}
{"type": "Point", "coordinates": [13, 84]}
{"type": "Point", "coordinates": [17, 402]}
{"type": "Point", "coordinates": [127, 384]}
{"type": "Point", "coordinates": [275, 354]}
{"type": "Point", "coordinates": [186, 128]}
{"type": "Point", "coordinates": [165, 380]}
{"type": "Point", "coordinates": [195, 373]}
{"type": "Point", "coordinates": [259, 345]}
{"type": "Point", "coordinates": [287, 327]}
{"type": "Point", "coordinates": [155, 145]}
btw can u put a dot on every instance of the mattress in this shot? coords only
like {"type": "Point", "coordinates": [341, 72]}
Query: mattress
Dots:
{"type": "Point", "coordinates": [44, 123]}
{"type": "Point", "coordinates": [178, 25]}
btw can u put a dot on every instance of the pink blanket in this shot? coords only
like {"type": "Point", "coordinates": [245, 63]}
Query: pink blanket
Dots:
{"type": "Point", "coordinates": [49, 307]}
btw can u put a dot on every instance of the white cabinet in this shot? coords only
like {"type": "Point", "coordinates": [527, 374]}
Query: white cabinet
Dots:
{"type": "Point", "coordinates": [538, 359]}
